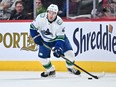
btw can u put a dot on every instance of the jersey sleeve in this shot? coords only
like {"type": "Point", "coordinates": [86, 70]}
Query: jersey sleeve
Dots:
{"type": "Point", "coordinates": [60, 34]}
{"type": "Point", "coordinates": [61, 30]}
{"type": "Point", "coordinates": [35, 24]}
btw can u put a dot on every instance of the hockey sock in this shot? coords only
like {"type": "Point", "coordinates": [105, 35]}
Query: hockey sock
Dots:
{"type": "Point", "coordinates": [70, 56]}
{"type": "Point", "coordinates": [47, 66]}
{"type": "Point", "coordinates": [69, 63]}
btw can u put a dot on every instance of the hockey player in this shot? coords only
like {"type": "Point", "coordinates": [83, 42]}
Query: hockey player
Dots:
{"type": "Point", "coordinates": [48, 28]}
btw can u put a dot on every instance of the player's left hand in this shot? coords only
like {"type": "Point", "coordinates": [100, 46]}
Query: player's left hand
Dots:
{"type": "Point", "coordinates": [58, 52]}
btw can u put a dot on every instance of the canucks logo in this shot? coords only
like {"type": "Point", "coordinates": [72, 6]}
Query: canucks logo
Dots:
{"type": "Point", "coordinates": [47, 32]}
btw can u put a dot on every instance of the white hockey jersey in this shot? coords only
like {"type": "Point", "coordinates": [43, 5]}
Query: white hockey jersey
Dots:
{"type": "Point", "coordinates": [49, 31]}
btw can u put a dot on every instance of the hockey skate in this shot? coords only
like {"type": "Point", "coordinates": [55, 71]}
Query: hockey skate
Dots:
{"type": "Point", "coordinates": [48, 74]}
{"type": "Point", "coordinates": [74, 71]}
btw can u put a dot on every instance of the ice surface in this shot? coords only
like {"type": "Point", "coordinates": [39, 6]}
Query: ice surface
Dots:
{"type": "Point", "coordinates": [62, 79]}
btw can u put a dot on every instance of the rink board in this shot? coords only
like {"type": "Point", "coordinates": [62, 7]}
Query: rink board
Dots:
{"type": "Point", "coordinates": [94, 44]}
{"type": "Point", "coordinates": [90, 66]}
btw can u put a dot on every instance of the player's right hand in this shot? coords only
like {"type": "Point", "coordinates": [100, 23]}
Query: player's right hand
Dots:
{"type": "Point", "coordinates": [58, 52]}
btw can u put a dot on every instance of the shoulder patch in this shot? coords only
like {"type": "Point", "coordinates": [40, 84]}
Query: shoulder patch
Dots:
{"type": "Point", "coordinates": [42, 15]}
{"type": "Point", "coordinates": [59, 22]}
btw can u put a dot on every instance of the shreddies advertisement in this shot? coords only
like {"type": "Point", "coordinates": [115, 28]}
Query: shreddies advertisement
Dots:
{"type": "Point", "coordinates": [91, 41]}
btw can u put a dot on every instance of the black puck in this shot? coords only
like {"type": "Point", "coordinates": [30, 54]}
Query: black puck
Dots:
{"type": "Point", "coordinates": [90, 78]}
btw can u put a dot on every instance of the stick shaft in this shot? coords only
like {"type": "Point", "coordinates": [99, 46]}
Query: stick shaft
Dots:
{"type": "Point", "coordinates": [73, 63]}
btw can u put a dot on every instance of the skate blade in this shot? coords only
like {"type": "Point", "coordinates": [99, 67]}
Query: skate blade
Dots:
{"type": "Point", "coordinates": [50, 76]}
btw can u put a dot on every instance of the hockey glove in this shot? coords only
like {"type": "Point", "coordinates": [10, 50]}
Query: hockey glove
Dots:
{"type": "Point", "coordinates": [58, 52]}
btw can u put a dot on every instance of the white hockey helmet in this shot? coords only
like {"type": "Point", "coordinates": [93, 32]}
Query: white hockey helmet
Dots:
{"type": "Point", "coordinates": [53, 8]}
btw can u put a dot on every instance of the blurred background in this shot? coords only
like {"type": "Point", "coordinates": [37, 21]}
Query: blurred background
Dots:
{"type": "Point", "coordinates": [68, 9]}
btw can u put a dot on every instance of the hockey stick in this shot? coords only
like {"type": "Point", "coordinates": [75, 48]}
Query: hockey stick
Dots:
{"type": "Point", "coordinates": [94, 76]}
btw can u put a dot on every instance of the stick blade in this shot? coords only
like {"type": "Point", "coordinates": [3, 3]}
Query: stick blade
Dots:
{"type": "Point", "coordinates": [101, 75]}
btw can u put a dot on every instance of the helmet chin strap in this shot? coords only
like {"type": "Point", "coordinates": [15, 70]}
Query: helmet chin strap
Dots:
{"type": "Point", "coordinates": [53, 20]}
